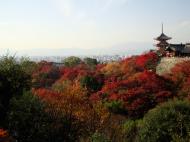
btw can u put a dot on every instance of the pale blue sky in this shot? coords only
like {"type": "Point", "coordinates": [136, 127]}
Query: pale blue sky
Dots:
{"type": "Point", "coordinates": [59, 27]}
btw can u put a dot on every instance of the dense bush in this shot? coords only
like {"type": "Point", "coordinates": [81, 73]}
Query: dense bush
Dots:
{"type": "Point", "coordinates": [167, 122]}
{"type": "Point", "coordinates": [91, 83]}
{"type": "Point", "coordinates": [28, 121]}
{"type": "Point", "coordinates": [130, 130]}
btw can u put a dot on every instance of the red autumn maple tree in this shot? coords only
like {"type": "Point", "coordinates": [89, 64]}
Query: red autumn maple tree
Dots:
{"type": "Point", "coordinates": [139, 93]}
{"type": "Point", "coordinates": [45, 75]}
{"type": "Point", "coordinates": [147, 61]}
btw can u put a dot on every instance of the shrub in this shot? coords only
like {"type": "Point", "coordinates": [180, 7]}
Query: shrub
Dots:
{"type": "Point", "coordinates": [167, 122]}
{"type": "Point", "coordinates": [130, 130]}
{"type": "Point", "coordinates": [27, 119]}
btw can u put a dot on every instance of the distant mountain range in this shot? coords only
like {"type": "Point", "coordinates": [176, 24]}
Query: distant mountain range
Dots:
{"type": "Point", "coordinates": [126, 49]}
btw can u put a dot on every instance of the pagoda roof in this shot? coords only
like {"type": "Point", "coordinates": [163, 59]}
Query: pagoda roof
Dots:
{"type": "Point", "coordinates": [161, 44]}
{"type": "Point", "coordinates": [163, 37]}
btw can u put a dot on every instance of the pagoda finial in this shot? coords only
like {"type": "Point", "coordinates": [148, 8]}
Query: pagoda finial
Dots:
{"type": "Point", "coordinates": [162, 28]}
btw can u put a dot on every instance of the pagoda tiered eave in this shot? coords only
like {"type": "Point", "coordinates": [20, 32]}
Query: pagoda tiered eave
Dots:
{"type": "Point", "coordinates": [163, 37]}
{"type": "Point", "coordinates": [161, 44]}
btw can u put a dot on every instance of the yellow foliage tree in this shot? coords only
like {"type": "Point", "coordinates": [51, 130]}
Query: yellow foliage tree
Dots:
{"type": "Point", "coordinates": [73, 103]}
{"type": "Point", "coordinates": [112, 68]}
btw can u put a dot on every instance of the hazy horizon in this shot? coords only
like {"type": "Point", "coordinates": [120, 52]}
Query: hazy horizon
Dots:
{"type": "Point", "coordinates": [92, 27]}
{"type": "Point", "coordinates": [125, 49]}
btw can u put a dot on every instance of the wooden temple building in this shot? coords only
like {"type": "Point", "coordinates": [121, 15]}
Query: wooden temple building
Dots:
{"type": "Point", "coordinates": [167, 49]}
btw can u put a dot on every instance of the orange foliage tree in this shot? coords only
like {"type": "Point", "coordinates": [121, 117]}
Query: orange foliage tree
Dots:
{"type": "Point", "coordinates": [3, 133]}
{"type": "Point", "coordinates": [4, 136]}
{"type": "Point", "coordinates": [83, 118]}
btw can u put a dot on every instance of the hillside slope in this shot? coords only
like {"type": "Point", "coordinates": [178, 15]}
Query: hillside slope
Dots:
{"type": "Point", "coordinates": [167, 63]}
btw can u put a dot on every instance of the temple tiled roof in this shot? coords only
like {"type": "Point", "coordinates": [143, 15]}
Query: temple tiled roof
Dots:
{"type": "Point", "coordinates": [186, 49]}
{"type": "Point", "coordinates": [181, 48]}
{"type": "Point", "coordinates": [163, 37]}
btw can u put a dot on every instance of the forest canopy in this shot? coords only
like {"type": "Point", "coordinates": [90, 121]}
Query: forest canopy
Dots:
{"type": "Point", "coordinates": [89, 101]}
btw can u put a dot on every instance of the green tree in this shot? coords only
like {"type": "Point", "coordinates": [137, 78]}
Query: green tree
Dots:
{"type": "Point", "coordinates": [27, 65]}
{"type": "Point", "coordinates": [71, 61]}
{"type": "Point", "coordinates": [167, 122]}
{"type": "Point", "coordinates": [90, 61]}
{"type": "Point", "coordinates": [28, 121]}
{"type": "Point", "coordinates": [13, 80]}
{"type": "Point", "coordinates": [34, 120]}
{"type": "Point", "coordinates": [130, 130]}
{"type": "Point", "coordinates": [91, 83]}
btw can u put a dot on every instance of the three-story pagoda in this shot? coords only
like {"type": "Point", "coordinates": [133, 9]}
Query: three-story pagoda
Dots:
{"type": "Point", "coordinates": [162, 42]}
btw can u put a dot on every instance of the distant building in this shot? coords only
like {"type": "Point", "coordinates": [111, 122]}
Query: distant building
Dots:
{"type": "Point", "coordinates": [178, 49]}
{"type": "Point", "coordinates": [166, 49]}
